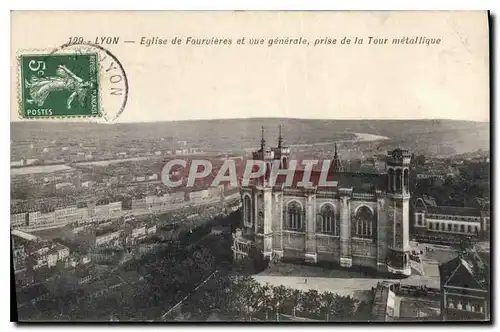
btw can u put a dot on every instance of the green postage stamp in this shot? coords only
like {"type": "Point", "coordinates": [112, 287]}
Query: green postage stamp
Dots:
{"type": "Point", "coordinates": [59, 85]}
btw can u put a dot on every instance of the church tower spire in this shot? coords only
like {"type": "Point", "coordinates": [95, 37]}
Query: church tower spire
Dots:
{"type": "Point", "coordinates": [336, 165]}
{"type": "Point", "coordinates": [280, 138]}
{"type": "Point", "coordinates": [262, 140]}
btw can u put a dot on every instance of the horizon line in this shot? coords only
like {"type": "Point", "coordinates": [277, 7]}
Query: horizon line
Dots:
{"type": "Point", "coordinates": [232, 119]}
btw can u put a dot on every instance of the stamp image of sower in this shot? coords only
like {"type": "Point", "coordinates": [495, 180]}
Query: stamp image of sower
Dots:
{"type": "Point", "coordinates": [73, 80]}
{"type": "Point", "coordinates": [59, 85]}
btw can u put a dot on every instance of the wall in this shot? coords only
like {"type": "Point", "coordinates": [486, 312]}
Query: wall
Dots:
{"type": "Point", "coordinates": [328, 248]}
{"type": "Point", "coordinates": [293, 240]}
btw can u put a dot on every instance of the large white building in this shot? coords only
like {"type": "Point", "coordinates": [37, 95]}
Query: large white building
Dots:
{"type": "Point", "coordinates": [107, 211]}
{"type": "Point", "coordinates": [108, 239]}
{"type": "Point", "coordinates": [66, 214]}
{"type": "Point", "coordinates": [38, 218]}
{"type": "Point", "coordinates": [156, 203]}
{"type": "Point", "coordinates": [199, 196]}
{"type": "Point", "coordinates": [19, 220]}
{"type": "Point", "coordinates": [61, 215]}
{"type": "Point", "coordinates": [430, 218]}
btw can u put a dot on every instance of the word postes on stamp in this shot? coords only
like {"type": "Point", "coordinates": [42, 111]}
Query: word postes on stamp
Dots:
{"type": "Point", "coordinates": [59, 85]}
{"type": "Point", "coordinates": [71, 81]}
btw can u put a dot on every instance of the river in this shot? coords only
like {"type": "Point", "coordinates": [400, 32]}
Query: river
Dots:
{"type": "Point", "coordinates": [26, 170]}
{"type": "Point", "coordinates": [360, 137]}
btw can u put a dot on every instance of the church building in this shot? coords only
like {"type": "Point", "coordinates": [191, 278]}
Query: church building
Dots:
{"type": "Point", "coordinates": [363, 220]}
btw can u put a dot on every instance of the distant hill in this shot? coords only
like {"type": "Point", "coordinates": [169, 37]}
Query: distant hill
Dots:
{"type": "Point", "coordinates": [420, 136]}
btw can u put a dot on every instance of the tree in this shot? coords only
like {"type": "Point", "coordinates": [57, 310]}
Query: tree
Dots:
{"type": "Point", "coordinates": [220, 247]}
{"type": "Point", "coordinates": [254, 262]}
{"type": "Point", "coordinates": [232, 305]}
{"type": "Point", "coordinates": [242, 298]}
{"type": "Point", "coordinates": [420, 160]}
{"type": "Point", "coordinates": [327, 304]}
{"type": "Point", "coordinates": [311, 304]}
{"type": "Point", "coordinates": [363, 312]}
{"type": "Point", "coordinates": [201, 303]}
{"type": "Point", "coordinates": [295, 300]}
{"type": "Point", "coordinates": [269, 300]}
{"type": "Point", "coordinates": [204, 261]}
{"type": "Point", "coordinates": [280, 294]}
{"type": "Point", "coordinates": [345, 307]}
{"type": "Point", "coordinates": [253, 293]}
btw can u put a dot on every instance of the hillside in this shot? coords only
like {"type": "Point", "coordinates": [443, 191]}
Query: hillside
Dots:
{"type": "Point", "coordinates": [420, 136]}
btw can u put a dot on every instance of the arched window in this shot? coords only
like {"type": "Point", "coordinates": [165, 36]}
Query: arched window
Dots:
{"type": "Point", "coordinates": [327, 223]}
{"type": "Point", "coordinates": [398, 179]}
{"type": "Point", "coordinates": [364, 222]}
{"type": "Point", "coordinates": [390, 176]}
{"type": "Point", "coordinates": [247, 210]}
{"type": "Point", "coordinates": [406, 180]}
{"type": "Point", "coordinates": [260, 223]}
{"type": "Point", "coordinates": [294, 214]}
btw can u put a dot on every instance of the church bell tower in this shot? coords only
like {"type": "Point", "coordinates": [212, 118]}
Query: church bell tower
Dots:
{"type": "Point", "coordinates": [398, 212]}
{"type": "Point", "coordinates": [261, 200]}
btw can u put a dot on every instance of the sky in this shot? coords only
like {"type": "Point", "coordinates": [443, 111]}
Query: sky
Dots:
{"type": "Point", "coordinates": [362, 81]}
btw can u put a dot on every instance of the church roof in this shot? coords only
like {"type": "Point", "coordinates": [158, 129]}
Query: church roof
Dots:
{"type": "Point", "coordinates": [336, 165]}
{"type": "Point", "coordinates": [429, 200]}
{"type": "Point", "coordinates": [428, 204]}
{"type": "Point", "coordinates": [361, 182]}
{"type": "Point", "coordinates": [485, 213]}
{"type": "Point", "coordinates": [454, 211]}
{"type": "Point", "coordinates": [278, 149]}
{"type": "Point", "coordinates": [467, 267]}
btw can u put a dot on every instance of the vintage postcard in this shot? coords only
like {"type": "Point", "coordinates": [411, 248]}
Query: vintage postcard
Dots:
{"type": "Point", "coordinates": [250, 166]}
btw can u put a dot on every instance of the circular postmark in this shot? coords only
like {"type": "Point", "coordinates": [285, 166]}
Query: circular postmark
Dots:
{"type": "Point", "coordinates": [111, 79]}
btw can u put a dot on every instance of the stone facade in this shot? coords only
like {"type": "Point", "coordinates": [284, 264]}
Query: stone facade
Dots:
{"type": "Point", "coordinates": [363, 221]}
